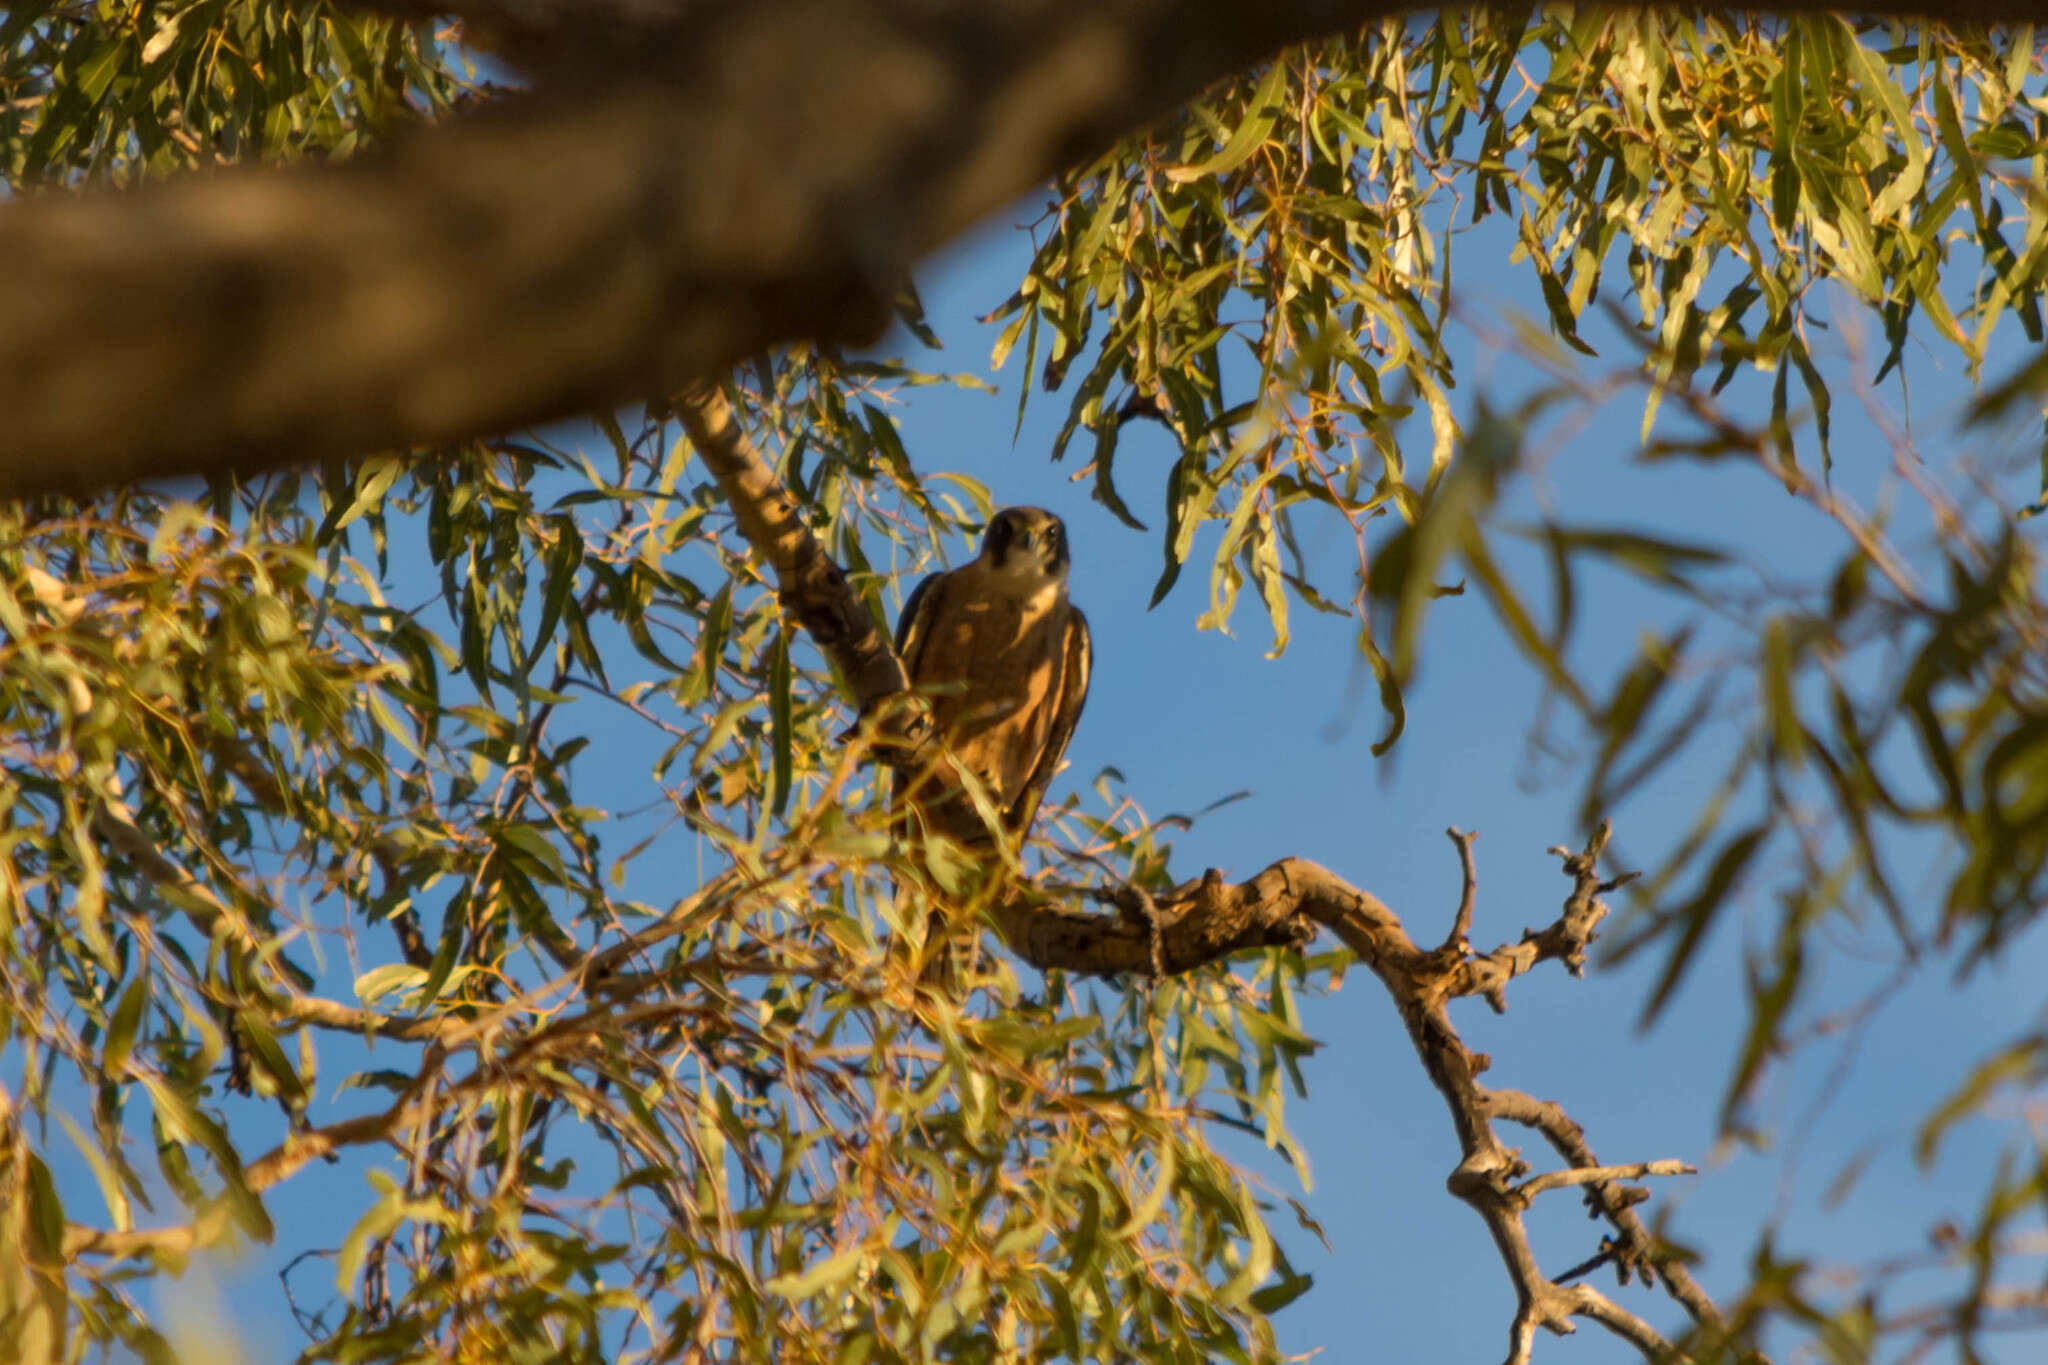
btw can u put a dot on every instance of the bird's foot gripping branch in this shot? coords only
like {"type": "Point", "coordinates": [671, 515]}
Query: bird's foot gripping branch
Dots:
{"type": "Point", "coordinates": [1208, 919]}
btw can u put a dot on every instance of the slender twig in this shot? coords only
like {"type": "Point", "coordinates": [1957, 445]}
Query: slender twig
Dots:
{"type": "Point", "coordinates": [1526, 1192]}
{"type": "Point", "coordinates": [1459, 940]}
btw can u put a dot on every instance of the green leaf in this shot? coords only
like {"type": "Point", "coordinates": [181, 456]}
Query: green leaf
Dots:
{"type": "Point", "coordinates": [378, 1221]}
{"type": "Point", "coordinates": [1105, 486]}
{"type": "Point", "coordinates": [1698, 912]}
{"type": "Point", "coordinates": [1189, 492]}
{"type": "Point", "coordinates": [379, 982]}
{"type": "Point", "coordinates": [1817, 391]}
{"type": "Point", "coordinates": [1898, 118]}
{"type": "Point", "coordinates": [711, 645]}
{"type": "Point", "coordinates": [1779, 662]}
{"type": "Point", "coordinates": [1267, 574]}
{"type": "Point", "coordinates": [46, 1222]}
{"type": "Point", "coordinates": [1147, 1210]}
{"type": "Point", "coordinates": [270, 1058]}
{"type": "Point", "coordinates": [109, 1168]}
{"type": "Point", "coordinates": [782, 727]}
{"type": "Point", "coordinates": [820, 1278]}
{"type": "Point", "coordinates": [1275, 1297]}
{"type": "Point", "coordinates": [97, 72]}
{"type": "Point", "coordinates": [883, 433]}
{"type": "Point", "coordinates": [1258, 1256]}
{"type": "Point", "coordinates": [121, 1029]}
{"type": "Point", "coordinates": [535, 846]}
{"type": "Point", "coordinates": [1390, 692]}
{"type": "Point", "coordinates": [1261, 112]}
{"type": "Point", "coordinates": [910, 312]}
{"type": "Point", "coordinates": [564, 558]}
{"type": "Point", "coordinates": [1668, 562]}
{"type": "Point", "coordinates": [373, 481]}
{"type": "Point", "coordinates": [2022, 1063]}
{"type": "Point", "coordinates": [1534, 644]}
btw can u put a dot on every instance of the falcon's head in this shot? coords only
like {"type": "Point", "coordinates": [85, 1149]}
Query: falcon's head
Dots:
{"type": "Point", "coordinates": [1026, 545]}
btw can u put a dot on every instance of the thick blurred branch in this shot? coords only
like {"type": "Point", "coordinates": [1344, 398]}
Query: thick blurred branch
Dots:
{"type": "Point", "coordinates": [686, 184]}
{"type": "Point", "coordinates": [753, 174]}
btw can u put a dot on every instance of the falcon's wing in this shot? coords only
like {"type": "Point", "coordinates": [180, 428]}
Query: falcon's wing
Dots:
{"type": "Point", "coordinates": [913, 636]}
{"type": "Point", "coordinates": [1066, 715]}
{"type": "Point", "coordinates": [913, 627]}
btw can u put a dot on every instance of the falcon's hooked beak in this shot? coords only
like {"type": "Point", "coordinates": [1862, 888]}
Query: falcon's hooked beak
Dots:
{"type": "Point", "coordinates": [1027, 542]}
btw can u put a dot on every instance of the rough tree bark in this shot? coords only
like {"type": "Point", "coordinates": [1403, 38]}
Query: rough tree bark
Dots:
{"type": "Point", "coordinates": [1208, 919]}
{"type": "Point", "coordinates": [686, 183]}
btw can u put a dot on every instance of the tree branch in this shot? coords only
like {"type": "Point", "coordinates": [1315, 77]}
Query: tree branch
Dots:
{"type": "Point", "coordinates": [1525, 1193]}
{"type": "Point", "coordinates": [755, 173]}
{"type": "Point", "coordinates": [1459, 940]}
{"type": "Point", "coordinates": [1201, 921]}
{"type": "Point", "coordinates": [274, 1166]}
{"type": "Point", "coordinates": [726, 178]}
{"type": "Point", "coordinates": [812, 586]}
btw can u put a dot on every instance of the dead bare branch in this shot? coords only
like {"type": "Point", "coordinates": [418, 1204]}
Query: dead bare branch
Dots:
{"type": "Point", "coordinates": [1203, 920]}
{"type": "Point", "coordinates": [1525, 1193]}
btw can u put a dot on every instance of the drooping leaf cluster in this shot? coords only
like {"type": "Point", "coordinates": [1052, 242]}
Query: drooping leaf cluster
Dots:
{"type": "Point", "coordinates": [118, 91]}
{"type": "Point", "coordinates": [1271, 273]}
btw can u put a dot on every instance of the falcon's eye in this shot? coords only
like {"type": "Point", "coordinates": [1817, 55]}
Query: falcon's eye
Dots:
{"type": "Point", "coordinates": [1055, 548]}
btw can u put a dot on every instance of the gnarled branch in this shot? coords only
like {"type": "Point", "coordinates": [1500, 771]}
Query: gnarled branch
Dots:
{"type": "Point", "coordinates": [1206, 919]}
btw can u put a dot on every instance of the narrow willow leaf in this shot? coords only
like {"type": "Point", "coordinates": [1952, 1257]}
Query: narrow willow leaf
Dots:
{"type": "Point", "coordinates": [270, 1057]}
{"type": "Point", "coordinates": [1697, 913]}
{"type": "Point", "coordinates": [1261, 112]}
{"type": "Point", "coordinates": [1272, 587]}
{"type": "Point", "coordinates": [780, 686]}
{"type": "Point", "coordinates": [46, 1222]}
{"type": "Point", "coordinates": [564, 559]}
{"type": "Point", "coordinates": [1105, 484]}
{"type": "Point", "coordinates": [121, 1029]}
{"type": "Point", "coordinates": [2021, 1063]}
{"type": "Point", "coordinates": [1390, 692]}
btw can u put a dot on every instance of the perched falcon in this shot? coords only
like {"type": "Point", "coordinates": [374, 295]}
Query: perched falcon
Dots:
{"type": "Point", "coordinates": [1003, 656]}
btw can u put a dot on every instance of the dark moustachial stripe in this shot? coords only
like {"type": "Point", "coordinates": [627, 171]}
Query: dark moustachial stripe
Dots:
{"type": "Point", "coordinates": [1001, 532]}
